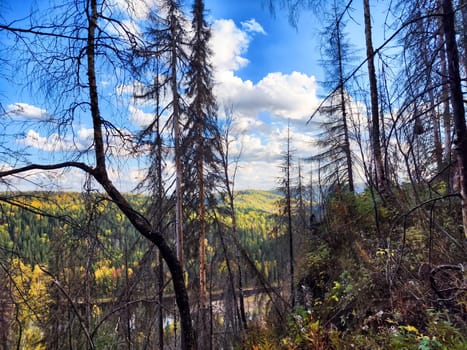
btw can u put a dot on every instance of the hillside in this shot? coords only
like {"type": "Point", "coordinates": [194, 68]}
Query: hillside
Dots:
{"type": "Point", "coordinates": [31, 234]}
{"type": "Point", "coordinates": [257, 200]}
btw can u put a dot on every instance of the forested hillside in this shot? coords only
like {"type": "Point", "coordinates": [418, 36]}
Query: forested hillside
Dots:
{"type": "Point", "coordinates": [64, 253]}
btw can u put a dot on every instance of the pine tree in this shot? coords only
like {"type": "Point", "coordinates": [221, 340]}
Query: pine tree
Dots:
{"type": "Point", "coordinates": [334, 141]}
{"type": "Point", "coordinates": [200, 160]}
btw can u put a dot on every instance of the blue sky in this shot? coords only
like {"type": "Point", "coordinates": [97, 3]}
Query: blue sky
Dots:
{"type": "Point", "coordinates": [265, 69]}
{"type": "Point", "coordinates": [282, 48]}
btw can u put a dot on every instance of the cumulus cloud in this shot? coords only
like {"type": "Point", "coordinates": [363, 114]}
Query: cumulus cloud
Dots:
{"type": "Point", "coordinates": [26, 111]}
{"type": "Point", "coordinates": [254, 148]}
{"type": "Point", "coordinates": [288, 96]}
{"type": "Point", "coordinates": [86, 134]}
{"type": "Point", "coordinates": [51, 143]}
{"type": "Point", "coordinates": [262, 109]}
{"type": "Point", "coordinates": [228, 43]}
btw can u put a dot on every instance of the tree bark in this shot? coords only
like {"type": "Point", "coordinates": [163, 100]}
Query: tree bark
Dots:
{"type": "Point", "coordinates": [288, 167]}
{"type": "Point", "coordinates": [463, 8]}
{"type": "Point", "coordinates": [375, 129]}
{"type": "Point", "coordinates": [447, 123]}
{"type": "Point", "coordinates": [348, 154]}
{"type": "Point", "coordinates": [457, 102]}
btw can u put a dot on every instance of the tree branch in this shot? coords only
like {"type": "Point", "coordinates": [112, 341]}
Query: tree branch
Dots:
{"type": "Point", "coordinates": [57, 166]}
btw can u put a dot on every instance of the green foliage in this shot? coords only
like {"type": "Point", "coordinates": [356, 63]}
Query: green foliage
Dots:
{"type": "Point", "coordinates": [440, 334]}
{"type": "Point", "coordinates": [304, 331]}
{"type": "Point", "coordinates": [317, 258]}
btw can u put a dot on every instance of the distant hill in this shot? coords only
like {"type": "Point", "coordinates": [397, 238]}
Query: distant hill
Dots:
{"type": "Point", "coordinates": [31, 234]}
{"type": "Point", "coordinates": [257, 200]}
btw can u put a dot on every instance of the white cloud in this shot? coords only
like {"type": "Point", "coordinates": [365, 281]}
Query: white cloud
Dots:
{"type": "Point", "coordinates": [139, 117]}
{"type": "Point", "coordinates": [26, 111]}
{"type": "Point", "coordinates": [245, 123]}
{"type": "Point", "coordinates": [258, 175]}
{"type": "Point", "coordinates": [120, 143]}
{"type": "Point", "coordinates": [253, 148]}
{"type": "Point", "coordinates": [51, 143]}
{"type": "Point", "coordinates": [228, 43]}
{"type": "Point", "coordinates": [252, 26]}
{"type": "Point", "coordinates": [86, 134]}
{"type": "Point", "coordinates": [283, 95]}
{"type": "Point", "coordinates": [262, 152]}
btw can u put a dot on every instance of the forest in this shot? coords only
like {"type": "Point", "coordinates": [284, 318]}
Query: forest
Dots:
{"type": "Point", "coordinates": [362, 244]}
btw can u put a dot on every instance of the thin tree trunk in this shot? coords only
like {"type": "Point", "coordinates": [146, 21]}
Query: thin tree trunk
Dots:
{"type": "Point", "coordinates": [463, 7]}
{"type": "Point", "coordinates": [375, 129]}
{"type": "Point", "coordinates": [438, 148]}
{"type": "Point", "coordinates": [178, 175]}
{"type": "Point", "coordinates": [229, 187]}
{"type": "Point", "coordinates": [160, 297]}
{"type": "Point", "coordinates": [455, 87]}
{"type": "Point", "coordinates": [231, 280]}
{"type": "Point", "coordinates": [160, 197]}
{"type": "Point", "coordinates": [344, 111]}
{"type": "Point", "coordinates": [447, 122]}
{"type": "Point", "coordinates": [289, 220]}
{"type": "Point", "coordinates": [204, 309]}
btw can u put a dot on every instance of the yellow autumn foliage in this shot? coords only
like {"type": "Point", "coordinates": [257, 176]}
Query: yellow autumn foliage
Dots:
{"type": "Point", "coordinates": [29, 289]}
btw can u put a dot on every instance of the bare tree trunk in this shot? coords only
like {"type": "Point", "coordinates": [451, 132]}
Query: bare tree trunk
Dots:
{"type": "Point", "coordinates": [375, 129]}
{"type": "Point", "coordinates": [344, 111]}
{"type": "Point", "coordinates": [447, 123]}
{"type": "Point", "coordinates": [438, 148]}
{"type": "Point", "coordinates": [204, 309]}
{"type": "Point", "coordinates": [178, 172]}
{"type": "Point", "coordinates": [288, 208]}
{"type": "Point", "coordinates": [463, 7]}
{"type": "Point", "coordinates": [139, 222]}
{"type": "Point", "coordinates": [229, 188]}
{"type": "Point", "coordinates": [455, 88]}
{"type": "Point", "coordinates": [160, 298]}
